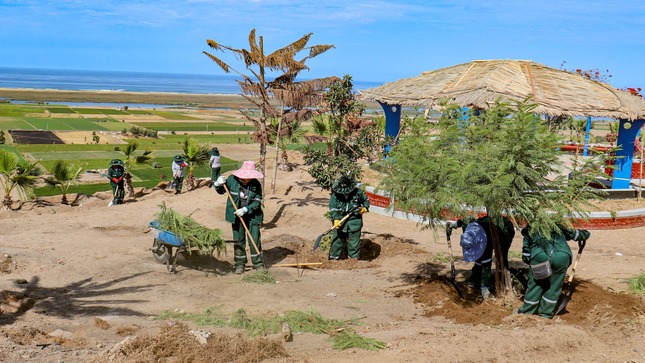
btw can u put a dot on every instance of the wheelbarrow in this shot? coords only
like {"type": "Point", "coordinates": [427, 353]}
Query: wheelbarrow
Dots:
{"type": "Point", "coordinates": [163, 244]}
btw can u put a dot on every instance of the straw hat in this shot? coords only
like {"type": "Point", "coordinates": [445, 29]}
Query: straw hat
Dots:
{"type": "Point", "coordinates": [473, 242]}
{"type": "Point", "coordinates": [248, 171]}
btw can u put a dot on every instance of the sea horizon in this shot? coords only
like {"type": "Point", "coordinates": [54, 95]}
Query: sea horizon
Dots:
{"type": "Point", "coordinates": [117, 81]}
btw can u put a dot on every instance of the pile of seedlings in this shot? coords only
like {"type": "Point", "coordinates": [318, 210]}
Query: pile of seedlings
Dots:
{"type": "Point", "coordinates": [194, 235]}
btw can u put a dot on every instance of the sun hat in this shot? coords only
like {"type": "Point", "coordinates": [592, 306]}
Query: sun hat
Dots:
{"type": "Point", "coordinates": [214, 151]}
{"type": "Point", "coordinates": [116, 162]}
{"type": "Point", "coordinates": [248, 171]}
{"type": "Point", "coordinates": [473, 242]}
{"type": "Point", "coordinates": [179, 158]}
{"type": "Point", "coordinates": [343, 185]}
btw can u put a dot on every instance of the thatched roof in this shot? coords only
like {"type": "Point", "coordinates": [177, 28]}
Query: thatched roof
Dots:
{"type": "Point", "coordinates": [482, 82]}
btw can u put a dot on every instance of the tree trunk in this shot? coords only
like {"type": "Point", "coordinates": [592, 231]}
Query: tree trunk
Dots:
{"type": "Point", "coordinates": [7, 202]}
{"type": "Point", "coordinates": [502, 283]}
{"type": "Point", "coordinates": [128, 184]}
{"type": "Point", "coordinates": [284, 161]}
{"type": "Point", "coordinates": [277, 150]}
{"type": "Point", "coordinates": [190, 181]}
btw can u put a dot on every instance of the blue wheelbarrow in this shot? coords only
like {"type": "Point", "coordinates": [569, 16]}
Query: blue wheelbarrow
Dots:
{"type": "Point", "coordinates": [163, 244]}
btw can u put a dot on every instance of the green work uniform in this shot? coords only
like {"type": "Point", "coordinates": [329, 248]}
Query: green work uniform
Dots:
{"type": "Point", "coordinates": [541, 296]}
{"type": "Point", "coordinates": [249, 196]}
{"type": "Point", "coordinates": [116, 173]}
{"type": "Point", "coordinates": [481, 272]}
{"type": "Point", "coordinates": [340, 205]}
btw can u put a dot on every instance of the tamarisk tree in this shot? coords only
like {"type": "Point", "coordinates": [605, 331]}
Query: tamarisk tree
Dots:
{"type": "Point", "coordinates": [504, 160]}
{"type": "Point", "coordinates": [257, 87]}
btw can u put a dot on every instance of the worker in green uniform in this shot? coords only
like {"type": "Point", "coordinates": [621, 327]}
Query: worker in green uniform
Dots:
{"type": "Point", "coordinates": [480, 277]}
{"type": "Point", "coordinates": [116, 173]}
{"type": "Point", "coordinates": [347, 199]}
{"type": "Point", "coordinates": [246, 192]}
{"type": "Point", "coordinates": [541, 296]}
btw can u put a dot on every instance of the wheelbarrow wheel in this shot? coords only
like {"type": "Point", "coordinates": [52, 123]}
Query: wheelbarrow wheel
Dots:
{"type": "Point", "coordinates": [160, 251]}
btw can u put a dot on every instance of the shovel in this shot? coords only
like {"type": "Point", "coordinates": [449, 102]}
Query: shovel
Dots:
{"type": "Point", "coordinates": [566, 297]}
{"type": "Point", "coordinates": [332, 228]}
{"type": "Point", "coordinates": [453, 274]}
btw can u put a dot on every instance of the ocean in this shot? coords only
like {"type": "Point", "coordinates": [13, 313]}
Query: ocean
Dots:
{"type": "Point", "coordinates": [126, 81]}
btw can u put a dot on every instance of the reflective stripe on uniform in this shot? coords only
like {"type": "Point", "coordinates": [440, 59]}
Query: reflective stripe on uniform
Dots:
{"type": "Point", "coordinates": [549, 300]}
{"type": "Point", "coordinates": [530, 302]}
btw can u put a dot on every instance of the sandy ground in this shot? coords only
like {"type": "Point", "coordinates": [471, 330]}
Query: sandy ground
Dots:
{"type": "Point", "coordinates": [78, 280]}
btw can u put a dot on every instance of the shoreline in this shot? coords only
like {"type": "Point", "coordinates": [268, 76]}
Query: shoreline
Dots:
{"type": "Point", "coordinates": [162, 98]}
{"type": "Point", "coordinates": [210, 100]}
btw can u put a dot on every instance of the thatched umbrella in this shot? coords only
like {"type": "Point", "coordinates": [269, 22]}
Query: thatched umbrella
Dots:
{"type": "Point", "coordinates": [481, 83]}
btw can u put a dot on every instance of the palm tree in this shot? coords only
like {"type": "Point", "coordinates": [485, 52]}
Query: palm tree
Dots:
{"type": "Point", "coordinates": [196, 155]}
{"type": "Point", "coordinates": [132, 159]}
{"type": "Point", "coordinates": [256, 88]}
{"type": "Point", "coordinates": [14, 175]}
{"type": "Point", "coordinates": [64, 175]}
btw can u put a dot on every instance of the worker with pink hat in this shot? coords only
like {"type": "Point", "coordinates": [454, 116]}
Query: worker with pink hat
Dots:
{"type": "Point", "coordinates": [244, 212]}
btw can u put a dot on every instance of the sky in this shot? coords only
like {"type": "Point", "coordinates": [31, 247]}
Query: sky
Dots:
{"type": "Point", "coordinates": [374, 40]}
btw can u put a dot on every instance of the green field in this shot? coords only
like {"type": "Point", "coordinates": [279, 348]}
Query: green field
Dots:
{"type": "Point", "coordinates": [96, 157]}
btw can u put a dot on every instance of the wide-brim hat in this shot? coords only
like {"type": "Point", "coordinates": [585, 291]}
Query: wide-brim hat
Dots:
{"type": "Point", "coordinates": [179, 158]}
{"type": "Point", "coordinates": [116, 162]}
{"type": "Point", "coordinates": [214, 151]}
{"type": "Point", "coordinates": [343, 185]}
{"type": "Point", "coordinates": [473, 242]}
{"type": "Point", "coordinates": [248, 171]}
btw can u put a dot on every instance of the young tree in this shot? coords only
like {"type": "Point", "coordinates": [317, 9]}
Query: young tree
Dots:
{"type": "Point", "coordinates": [502, 160]}
{"type": "Point", "coordinates": [196, 155]}
{"type": "Point", "coordinates": [257, 88]}
{"type": "Point", "coordinates": [131, 159]}
{"type": "Point", "coordinates": [64, 175]}
{"type": "Point", "coordinates": [347, 140]}
{"type": "Point", "coordinates": [14, 175]}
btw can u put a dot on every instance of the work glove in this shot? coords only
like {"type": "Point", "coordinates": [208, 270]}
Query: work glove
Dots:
{"type": "Point", "coordinates": [582, 235]}
{"type": "Point", "coordinates": [363, 210]}
{"type": "Point", "coordinates": [115, 180]}
{"type": "Point", "coordinates": [453, 224]}
{"type": "Point", "coordinates": [337, 223]}
{"type": "Point", "coordinates": [240, 212]}
{"type": "Point", "coordinates": [219, 181]}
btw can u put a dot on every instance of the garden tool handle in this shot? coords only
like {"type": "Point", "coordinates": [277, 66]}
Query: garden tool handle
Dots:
{"type": "Point", "coordinates": [581, 246]}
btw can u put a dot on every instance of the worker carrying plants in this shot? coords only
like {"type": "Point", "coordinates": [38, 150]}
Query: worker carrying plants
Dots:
{"type": "Point", "coordinates": [347, 200]}
{"type": "Point", "coordinates": [116, 173]}
{"type": "Point", "coordinates": [480, 277]}
{"type": "Point", "coordinates": [215, 164]}
{"type": "Point", "coordinates": [178, 166]}
{"type": "Point", "coordinates": [545, 280]}
{"type": "Point", "coordinates": [244, 212]}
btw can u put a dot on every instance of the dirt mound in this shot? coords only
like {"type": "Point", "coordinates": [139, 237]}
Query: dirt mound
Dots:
{"type": "Point", "coordinates": [590, 305]}
{"type": "Point", "coordinates": [177, 340]}
{"type": "Point", "coordinates": [287, 248]}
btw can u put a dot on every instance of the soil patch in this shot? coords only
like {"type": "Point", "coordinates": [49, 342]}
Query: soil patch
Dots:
{"type": "Point", "coordinates": [34, 137]}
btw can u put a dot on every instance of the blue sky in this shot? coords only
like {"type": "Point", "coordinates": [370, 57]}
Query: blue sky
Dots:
{"type": "Point", "coordinates": [376, 40]}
